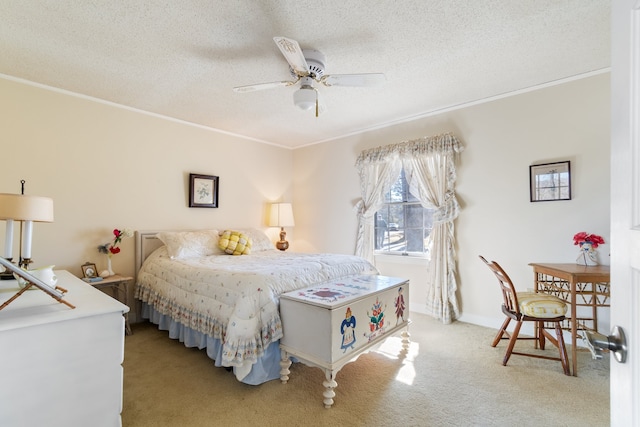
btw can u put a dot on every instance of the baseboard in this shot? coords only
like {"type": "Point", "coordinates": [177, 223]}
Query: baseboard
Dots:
{"type": "Point", "coordinates": [496, 322]}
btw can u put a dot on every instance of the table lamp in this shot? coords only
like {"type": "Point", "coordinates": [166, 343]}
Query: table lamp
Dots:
{"type": "Point", "coordinates": [27, 210]}
{"type": "Point", "coordinates": [281, 216]}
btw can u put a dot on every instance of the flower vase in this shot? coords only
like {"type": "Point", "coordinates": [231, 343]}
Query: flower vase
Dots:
{"type": "Point", "coordinates": [109, 269]}
{"type": "Point", "coordinates": [587, 255]}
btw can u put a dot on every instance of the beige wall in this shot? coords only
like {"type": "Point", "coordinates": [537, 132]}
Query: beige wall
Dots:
{"type": "Point", "coordinates": [108, 167]}
{"type": "Point", "coordinates": [502, 138]}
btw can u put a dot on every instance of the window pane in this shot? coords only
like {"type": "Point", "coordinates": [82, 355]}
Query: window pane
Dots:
{"type": "Point", "coordinates": [396, 193]}
{"type": "Point", "coordinates": [380, 227]}
{"type": "Point", "coordinates": [402, 224]}
{"type": "Point", "coordinates": [414, 229]}
{"type": "Point", "coordinates": [396, 216]}
{"type": "Point", "coordinates": [415, 214]}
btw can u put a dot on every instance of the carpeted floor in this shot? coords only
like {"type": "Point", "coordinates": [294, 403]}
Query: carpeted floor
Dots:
{"type": "Point", "coordinates": [451, 376]}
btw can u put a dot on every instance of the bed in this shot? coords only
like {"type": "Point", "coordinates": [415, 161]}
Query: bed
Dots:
{"type": "Point", "coordinates": [224, 303]}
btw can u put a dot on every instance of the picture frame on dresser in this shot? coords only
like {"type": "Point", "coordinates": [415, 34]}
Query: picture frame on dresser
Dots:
{"type": "Point", "coordinates": [89, 270]}
{"type": "Point", "coordinates": [203, 191]}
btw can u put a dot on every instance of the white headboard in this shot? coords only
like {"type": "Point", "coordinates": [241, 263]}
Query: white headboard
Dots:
{"type": "Point", "coordinates": [146, 243]}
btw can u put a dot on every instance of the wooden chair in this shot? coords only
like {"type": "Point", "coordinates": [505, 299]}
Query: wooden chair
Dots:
{"type": "Point", "coordinates": [534, 307]}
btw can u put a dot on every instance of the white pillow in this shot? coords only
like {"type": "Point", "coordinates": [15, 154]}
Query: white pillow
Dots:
{"type": "Point", "coordinates": [259, 240]}
{"type": "Point", "coordinates": [190, 244]}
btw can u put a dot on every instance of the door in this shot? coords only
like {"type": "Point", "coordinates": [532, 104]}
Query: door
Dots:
{"type": "Point", "coordinates": [625, 206]}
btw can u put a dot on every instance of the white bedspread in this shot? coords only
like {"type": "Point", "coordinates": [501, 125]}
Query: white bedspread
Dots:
{"type": "Point", "coordinates": [235, 298]}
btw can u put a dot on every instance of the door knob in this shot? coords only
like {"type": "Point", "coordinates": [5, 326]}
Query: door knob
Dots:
{"type": "Point", "coordinates": [616, 342]}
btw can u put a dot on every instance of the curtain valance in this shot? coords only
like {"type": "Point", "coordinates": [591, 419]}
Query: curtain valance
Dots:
{"type": "Point", "coordinates": [442, 144]}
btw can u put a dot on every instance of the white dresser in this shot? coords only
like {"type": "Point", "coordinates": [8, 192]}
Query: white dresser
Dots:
{"type": "Point", "coordinates": [330, 325]}
{"type": "Point", "coordinates": [61, 366]}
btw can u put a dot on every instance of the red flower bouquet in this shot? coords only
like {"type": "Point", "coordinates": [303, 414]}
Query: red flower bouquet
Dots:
{"type": "Point", "coordinates": [583, 237]}
{"type": "Point", "coordinates": [112, 248]}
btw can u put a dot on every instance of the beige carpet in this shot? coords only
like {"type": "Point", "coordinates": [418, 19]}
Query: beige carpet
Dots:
{"type": "Point", "coordinates": [450, 377]}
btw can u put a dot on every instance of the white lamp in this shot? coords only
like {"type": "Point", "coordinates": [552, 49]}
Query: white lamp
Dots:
{"type": "Point", "coordinates": [281, 215]}
{"type": "Point", "coordinates": [27, 210]}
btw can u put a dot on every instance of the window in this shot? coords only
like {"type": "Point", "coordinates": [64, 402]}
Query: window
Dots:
{"type": "Point", "coordinates": [402, 225]}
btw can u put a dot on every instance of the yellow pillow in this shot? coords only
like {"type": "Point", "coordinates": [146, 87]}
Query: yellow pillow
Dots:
{"type": "Point", "coordinates": [235, 243]}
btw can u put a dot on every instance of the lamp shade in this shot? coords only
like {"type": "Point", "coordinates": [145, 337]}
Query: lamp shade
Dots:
{"type": "Point", "coordinates": [305, 98]}
{"type": "Point", "coordinates": [26, 208]}
{"type": "Point", "coordinates": [281, 215]}
{"type": "Point", "coordinates": [30, 209]}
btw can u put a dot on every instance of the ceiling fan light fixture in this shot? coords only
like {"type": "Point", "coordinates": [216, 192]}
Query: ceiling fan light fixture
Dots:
{"type": "Point", "coordinates": [307, 67]}
{"type": "Point", "coordinates": [305, 98]}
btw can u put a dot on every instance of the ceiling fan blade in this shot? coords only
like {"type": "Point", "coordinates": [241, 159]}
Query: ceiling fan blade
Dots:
{"type": "Point", "coordinates": [293, 54]}
{"type": "Point", "coordinates": [368, 79]}
{"type": "Point", "coordinates": [262, 86]}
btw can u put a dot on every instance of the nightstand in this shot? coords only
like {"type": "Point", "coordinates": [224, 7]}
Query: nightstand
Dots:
{"type": "Point", "coordinates": [120, 285]}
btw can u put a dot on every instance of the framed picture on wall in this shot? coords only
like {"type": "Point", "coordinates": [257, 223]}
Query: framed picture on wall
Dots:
{"type": "Point", "coordinates": [203, 191]}
{"type": "Point", "coordinates": [550, 181]}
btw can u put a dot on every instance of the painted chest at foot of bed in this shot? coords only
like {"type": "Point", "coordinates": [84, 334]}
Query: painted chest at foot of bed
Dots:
{"type": "Point", "coordinates": [331, 323]}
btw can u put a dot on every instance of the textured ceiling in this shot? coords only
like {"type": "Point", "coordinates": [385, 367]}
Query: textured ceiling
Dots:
{"type": "Point", "coordinates": [181, 59]}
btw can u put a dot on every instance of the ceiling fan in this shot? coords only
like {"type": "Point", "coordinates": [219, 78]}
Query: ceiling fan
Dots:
{"type": "Point", "coordinates": [307, 66]}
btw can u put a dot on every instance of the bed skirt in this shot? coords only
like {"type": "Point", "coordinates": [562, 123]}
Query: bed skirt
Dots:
{"type": "Point", "coordinates": [265, 369]}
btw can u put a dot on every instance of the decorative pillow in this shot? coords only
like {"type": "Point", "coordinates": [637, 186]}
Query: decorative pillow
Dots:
{"type": "Point", "coordinates": [259, 240]}
{"type": "Point", "coordinates": [190, 244]}
{"type": "Point", "coordinates": [235, 243]}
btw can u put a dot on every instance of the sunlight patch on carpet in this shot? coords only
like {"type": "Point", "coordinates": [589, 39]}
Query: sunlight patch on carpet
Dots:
{"type": "Point", "coordinates": [392, 349]}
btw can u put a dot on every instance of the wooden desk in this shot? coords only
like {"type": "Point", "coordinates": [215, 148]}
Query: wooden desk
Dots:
{"type": "Point", "coordinates": [579, 285]}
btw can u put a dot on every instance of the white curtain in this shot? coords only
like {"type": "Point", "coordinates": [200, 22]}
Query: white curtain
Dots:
{"type": "Point", "coordinates": [377, 175]}
{"type": "Point", "coordinates": [429, 165]}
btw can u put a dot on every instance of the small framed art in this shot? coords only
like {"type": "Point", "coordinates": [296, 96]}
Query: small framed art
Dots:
{"type": "Point", "coordinates": [203, 191]}
{"type": "Point", "coordinates": [550, 181]}
{"type": "Point", "coordinates": [89, 270]}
